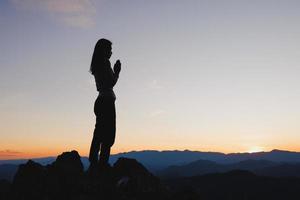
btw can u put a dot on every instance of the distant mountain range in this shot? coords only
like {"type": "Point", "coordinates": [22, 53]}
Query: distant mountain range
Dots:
{"type": "Point", "coordinates": [159, 162]}
{"type": "Point", "coordinates": [128, 179]}
{"type": "Point", "coordinates": [7, 171]}
{"type": "Point", "coordinates": [259, 167]}
{"type": "Point", "coordinates": [236, 185]}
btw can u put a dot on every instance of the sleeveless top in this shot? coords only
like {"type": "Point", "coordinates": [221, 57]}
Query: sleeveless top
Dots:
{"type": "Point", "coordinates": [105, 79]}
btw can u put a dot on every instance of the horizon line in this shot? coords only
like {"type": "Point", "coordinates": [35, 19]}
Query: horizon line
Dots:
{"type": "Point", "coordinates": [53, 156]}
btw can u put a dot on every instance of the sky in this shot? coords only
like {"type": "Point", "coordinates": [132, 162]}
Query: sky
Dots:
{"type": "Point", "coordinates": [203, 75]}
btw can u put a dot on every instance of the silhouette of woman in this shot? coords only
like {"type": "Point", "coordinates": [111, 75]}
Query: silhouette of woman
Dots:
{"type": "Point", "coordinates": [104, 107]}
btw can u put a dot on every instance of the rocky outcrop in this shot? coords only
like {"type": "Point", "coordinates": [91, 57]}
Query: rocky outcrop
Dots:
{"type": "Point", "coordinates": [127, 179]}
{"type": "Point", "coordinates": [134, 180]}
{"type": "Point", "coordinates": [5, 188]}
{"type": "Point", "coordinates": [133, 169]}
{"type": "Point", "coordinates": [29, 181]}
{"type": "Point", "coordinates": [65, 179]}
{"type": "Point", "coordinates": [64, 176]}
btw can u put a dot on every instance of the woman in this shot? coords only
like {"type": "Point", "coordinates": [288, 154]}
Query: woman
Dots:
{"type": "Point", "coordinates": [104, 107]}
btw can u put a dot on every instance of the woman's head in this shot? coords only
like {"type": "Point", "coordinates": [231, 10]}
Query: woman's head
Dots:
{"type": "Point", "coordinates": [102, 51]}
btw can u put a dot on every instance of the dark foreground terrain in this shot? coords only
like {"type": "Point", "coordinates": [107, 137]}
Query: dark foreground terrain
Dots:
{"type": "Point", "coordinates": [127, 179]}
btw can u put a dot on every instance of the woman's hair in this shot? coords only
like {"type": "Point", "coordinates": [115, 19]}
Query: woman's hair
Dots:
{"type": "Point", "coordinates": [100, 51]}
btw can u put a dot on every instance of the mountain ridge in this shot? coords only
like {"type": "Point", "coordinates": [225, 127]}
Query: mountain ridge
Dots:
{"type": "Point", "coordinates": [155, 161]}
{"type": "Point", "coordinates": [127, 179]}
{"type": "Point", "coordinates": [258, 167]}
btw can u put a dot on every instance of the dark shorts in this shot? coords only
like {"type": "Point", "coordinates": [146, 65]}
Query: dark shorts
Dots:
{"type": "Point", "coordinates": [105, 128]}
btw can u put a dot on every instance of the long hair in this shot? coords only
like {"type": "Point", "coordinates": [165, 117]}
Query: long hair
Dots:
{"type": "Point", "coordinates": [99, 53]}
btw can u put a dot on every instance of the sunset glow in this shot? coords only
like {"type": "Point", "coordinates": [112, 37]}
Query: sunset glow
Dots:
{"type": "Point", "coordinates": [218, 76]}
{"type": "Point", "coordinates": [255, 149]}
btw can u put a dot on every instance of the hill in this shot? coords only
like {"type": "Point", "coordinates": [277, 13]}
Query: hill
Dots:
{"type": "Point", "coordinates": [65, 178]}
{"type": "Point", "coordinates": [259, 167]}
{"type": "Point", "coordinates": [127, 179]}
{"type": "Point", "coordinates": [235, 185]}
{"type": "Point", "coordinates": [155, 161]}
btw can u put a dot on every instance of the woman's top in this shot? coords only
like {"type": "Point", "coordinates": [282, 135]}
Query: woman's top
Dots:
{"type": "Point", "coordinates": [105, 79]}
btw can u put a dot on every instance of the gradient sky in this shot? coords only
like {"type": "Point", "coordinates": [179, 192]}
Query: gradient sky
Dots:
{"type": "Point", "coordinates": [207, 75]}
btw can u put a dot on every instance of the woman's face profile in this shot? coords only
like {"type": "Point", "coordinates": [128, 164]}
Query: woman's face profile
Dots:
{"type": "Point", "coordinates": [108, 52]}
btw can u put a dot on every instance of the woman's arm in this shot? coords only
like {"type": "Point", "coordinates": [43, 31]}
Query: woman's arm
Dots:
{"type": "Point", "coordinates": [116, 72]}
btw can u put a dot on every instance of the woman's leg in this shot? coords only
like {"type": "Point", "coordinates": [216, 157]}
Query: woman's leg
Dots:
{"type": "Point", "coordinates": [109, 130]}
{"type": "Point", "coordinates": [104, 154]}
{"type": "Point", "coordinates": [95, 145]}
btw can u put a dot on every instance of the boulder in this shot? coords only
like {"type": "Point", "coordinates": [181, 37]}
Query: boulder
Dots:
{"type": "Point", "coordinates": [65, 179]}
{"type": "Point", "coordinates": [68, 163]}
{"type": "Point", "coordinates": [5, 186]}
{"type": "Point", "coordinates": [64, 176]}
{"type": "Point", "coordinates": [29, 181]}
{"type": "Point", "coordinates": [135, 181]}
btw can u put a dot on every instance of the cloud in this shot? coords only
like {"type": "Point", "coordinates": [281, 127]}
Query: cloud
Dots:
{"type": "Point", "coordinates": [8, 153]}
{"type": "Point", "coordinates": [74, 13]}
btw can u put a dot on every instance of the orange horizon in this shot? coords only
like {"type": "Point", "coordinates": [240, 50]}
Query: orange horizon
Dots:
{"type": "Point", "coordinates": [83, 153]}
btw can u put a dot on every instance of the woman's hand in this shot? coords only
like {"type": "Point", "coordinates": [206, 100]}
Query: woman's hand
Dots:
{"type": "Point", "coordinates": [117, 67]}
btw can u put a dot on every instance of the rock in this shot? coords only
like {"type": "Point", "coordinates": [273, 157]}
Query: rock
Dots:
{"type": "Point", "coordinates": [29, 181]}
{"type": "Point", "coordinates": [65, 179]}
{"type": "Point", "coordinates": [69, 163]}
{"type": "Point", "coordinates": [64, 176]}
{"type": "Point", "coordinates": [134, 181]}
{"type": "Point", "coordinates": [5, 186]}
